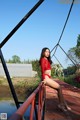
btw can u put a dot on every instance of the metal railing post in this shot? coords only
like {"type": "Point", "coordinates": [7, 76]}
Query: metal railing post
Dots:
{"type": "Point", "coordinates": [32, 110]}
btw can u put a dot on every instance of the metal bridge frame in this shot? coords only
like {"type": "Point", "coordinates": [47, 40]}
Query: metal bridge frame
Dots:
{"type": "Point", "coordinates": [58, 43]}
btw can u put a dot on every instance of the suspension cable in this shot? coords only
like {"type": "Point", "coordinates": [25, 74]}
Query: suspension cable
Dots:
{"type": "Point", "coordinates": [67, 55]}
{"type": "Point", "coordinates": [54, 48]}
{"type": "Point", "coordinates": [58, 61]}
{"type": "Point", "coordinates": [64, 26]}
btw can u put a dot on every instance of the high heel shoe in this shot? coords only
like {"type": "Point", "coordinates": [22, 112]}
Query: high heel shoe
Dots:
{"type": "Point", "coordinates": [67, 107]}
{"type": "Point", "coordinates": [64, 108]}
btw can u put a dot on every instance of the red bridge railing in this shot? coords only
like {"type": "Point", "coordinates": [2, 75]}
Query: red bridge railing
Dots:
{"type": "Point", "coordinates": [37, 102]}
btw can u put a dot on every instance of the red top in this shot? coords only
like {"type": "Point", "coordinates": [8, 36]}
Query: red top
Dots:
{"type": "Point", "coordinates": [45, 65]}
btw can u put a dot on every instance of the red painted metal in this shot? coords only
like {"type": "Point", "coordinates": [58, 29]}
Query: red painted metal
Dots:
{"type": "Point", "coordinates": [41, 103]}
{"type": "Point", "coordinates": [40, 90]}
{"type": "Point", "coordinates": [32, 110]}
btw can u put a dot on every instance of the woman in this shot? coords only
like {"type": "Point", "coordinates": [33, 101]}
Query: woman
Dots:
{"type": "Point", "coordinates": [45, 63]}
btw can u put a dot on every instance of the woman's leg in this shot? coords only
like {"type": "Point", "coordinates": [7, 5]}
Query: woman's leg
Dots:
{"type": "Point", "coordinates": [48, 81]}
{"type": "Point", "coordinates": [53, 84]}
{"type": "Point", "coordinates": [63, 105]}
{"type": "Point", "coordinates": [60, 96]}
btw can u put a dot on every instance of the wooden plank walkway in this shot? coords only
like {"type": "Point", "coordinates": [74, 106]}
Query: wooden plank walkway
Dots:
{"type": "Point", "coordinates": [72, 97]}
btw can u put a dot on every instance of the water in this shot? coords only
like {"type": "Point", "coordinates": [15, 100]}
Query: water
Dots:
{"type": "Point", "coordinates": [9, 108]}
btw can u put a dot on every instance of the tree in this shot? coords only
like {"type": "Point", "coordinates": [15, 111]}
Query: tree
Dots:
{"type": "Point", "coordinates": [57, 70]}
{"type": "Point", "coordinates": [27, 61]}
{"type": "Point", "coordinates": [74, 53]}
{"type": "Point", "coordinates": [15, 59]}
{"type": "Point", "coordinates": [70, 70]}
{"type": "Point", "coordinates": [77, 51]}
{"type": "Point", "coordinates": [36, 67]}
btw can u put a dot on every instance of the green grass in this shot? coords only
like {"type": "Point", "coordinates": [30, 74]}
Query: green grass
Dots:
{"type": "Point", "coordinates": [23, 86]}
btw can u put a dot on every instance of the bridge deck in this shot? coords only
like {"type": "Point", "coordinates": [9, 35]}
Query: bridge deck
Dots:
{"type": "Point", "coordinates": [72, 97]}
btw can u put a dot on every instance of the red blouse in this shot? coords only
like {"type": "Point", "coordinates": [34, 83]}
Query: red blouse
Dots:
{"type": "Point", "coordinates": [45, 65]}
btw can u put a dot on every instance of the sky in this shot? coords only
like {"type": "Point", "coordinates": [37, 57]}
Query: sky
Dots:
{"type": "Point", "coordinates": [42, 29]}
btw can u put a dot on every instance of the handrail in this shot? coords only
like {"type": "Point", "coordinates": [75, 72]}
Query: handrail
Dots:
{"type": "Point", "coordinates": [40, 90]}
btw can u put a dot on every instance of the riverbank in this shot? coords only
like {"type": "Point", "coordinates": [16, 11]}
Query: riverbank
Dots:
{"type": "Point", "coordinates": [23, 87]}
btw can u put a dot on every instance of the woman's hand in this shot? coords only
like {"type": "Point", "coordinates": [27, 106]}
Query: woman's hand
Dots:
{"type": "Point", "coordinates": [44, 81]}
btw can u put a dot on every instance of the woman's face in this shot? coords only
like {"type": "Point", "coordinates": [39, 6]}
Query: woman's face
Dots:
{"type": "Point", "coordinates": [47, 53]}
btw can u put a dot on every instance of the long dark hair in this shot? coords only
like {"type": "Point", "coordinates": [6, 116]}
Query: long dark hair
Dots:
{"type": "Point", "coordinates": [43, 55]}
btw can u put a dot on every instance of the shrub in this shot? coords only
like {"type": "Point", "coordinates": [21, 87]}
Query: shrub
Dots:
{"type": "Point", "coordinates": [72, 81]}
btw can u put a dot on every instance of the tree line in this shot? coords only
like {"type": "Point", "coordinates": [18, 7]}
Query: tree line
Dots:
{"type": "Point", "coordinates": [74, 54]}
